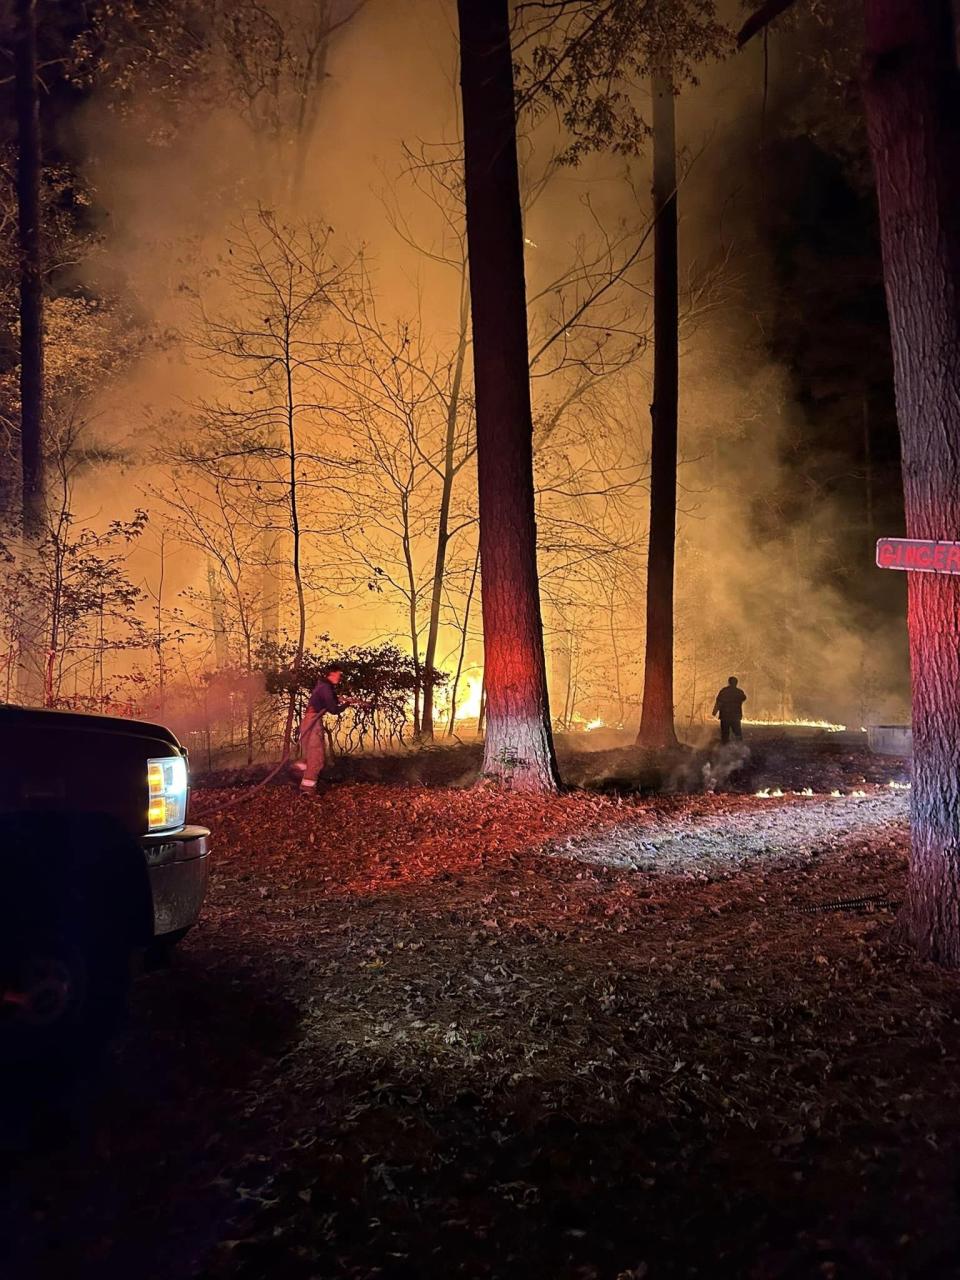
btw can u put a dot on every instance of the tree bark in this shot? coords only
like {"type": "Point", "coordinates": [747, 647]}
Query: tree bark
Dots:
{"type": "Point", "coordinates": [31, 269]}
{"type": "Point", "coordinates": [221, 650]}
{"type": "Point", "coordinates": [518, 747]}
{"type": "Point", "coordinates": [443, 521]}
{"type": "Point", "coordinates": [294, 510]}
{"type": "Point", "coordinates": [32, 673]}
{"type": "Point", "coordinates": [656, 720]}
{"type": "Point", "coordinates": [912, 100]}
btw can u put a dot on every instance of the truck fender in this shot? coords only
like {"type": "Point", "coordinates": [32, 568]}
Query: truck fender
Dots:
{"type": "Point", "coordinates": [64, 861]}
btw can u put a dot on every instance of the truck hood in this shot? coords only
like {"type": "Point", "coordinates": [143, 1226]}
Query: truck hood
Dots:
{"type": "Point", "coordinates": [13, 719]}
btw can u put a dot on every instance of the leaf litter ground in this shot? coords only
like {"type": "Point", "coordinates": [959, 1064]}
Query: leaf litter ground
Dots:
{"type": "Point", "coordinates": [425, 1031]}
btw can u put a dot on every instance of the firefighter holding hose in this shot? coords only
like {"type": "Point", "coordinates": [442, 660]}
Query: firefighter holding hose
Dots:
{"type": "Point", "coordinates": [323, 701]}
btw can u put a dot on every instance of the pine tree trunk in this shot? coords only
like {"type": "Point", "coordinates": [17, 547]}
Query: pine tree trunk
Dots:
{"type": "Point", "coordinates": [31, 273]}
{"type": "Point", "coordinates": [32, 673]}
{"type": "Point", "coordinates": [518, 748]}
{"type": "Point", "coordinates": [913, 114]}
{"type": "Point", "coordinates": [656, 720]}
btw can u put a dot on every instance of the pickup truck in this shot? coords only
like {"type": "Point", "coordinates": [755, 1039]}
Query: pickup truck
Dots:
{"type": "Point", "coordinates": [97, 863]}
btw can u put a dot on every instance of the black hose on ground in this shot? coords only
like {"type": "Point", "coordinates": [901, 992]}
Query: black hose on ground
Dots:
{"type": "Point", "coordinates": [852, 904]}
{"type": "Point", "coordinates": [248, 794]}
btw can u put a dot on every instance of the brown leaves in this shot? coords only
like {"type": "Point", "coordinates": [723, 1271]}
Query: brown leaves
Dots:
{"type": "Point", "coordinates": [424, 1047]}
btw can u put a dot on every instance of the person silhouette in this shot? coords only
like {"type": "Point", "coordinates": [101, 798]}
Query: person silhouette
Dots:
{"type": "Point", "coordinates": [729, 707]}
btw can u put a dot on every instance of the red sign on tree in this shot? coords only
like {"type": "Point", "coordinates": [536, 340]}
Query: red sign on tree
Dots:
{"type": "Point", "coordinates": [916, 554]}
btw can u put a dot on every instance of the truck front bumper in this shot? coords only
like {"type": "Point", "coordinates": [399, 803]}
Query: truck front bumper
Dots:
{"type": "Point", "coordinates": [178, 867]}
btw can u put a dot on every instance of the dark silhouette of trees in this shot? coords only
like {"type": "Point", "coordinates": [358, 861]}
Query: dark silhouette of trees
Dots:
{"type": "Point", "coordinates": [582, 58]}
{"type": "Point", "coordinates": [31, 268]}
{"type": "Point", "coordinates": [656, 719]}
{"type": "Point", "coordinates": [912, 96]}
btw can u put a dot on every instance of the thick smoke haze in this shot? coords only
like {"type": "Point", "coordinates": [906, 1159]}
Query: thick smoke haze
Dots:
{"type": "Point", "coordinates": [758, 592]}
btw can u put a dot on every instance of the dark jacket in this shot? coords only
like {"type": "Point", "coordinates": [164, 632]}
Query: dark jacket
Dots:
{"type": "Point", "coordinates": [730, 702]}
{"type": "Point", "coordinates": [324, 698]}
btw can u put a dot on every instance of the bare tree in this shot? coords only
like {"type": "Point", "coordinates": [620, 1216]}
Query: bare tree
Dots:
{"type": "Point", "coordinates": [411, 427]}
{"type": "Point", "coordinates": [266, 439]}
{"type": "Point", "coordinates": [212, 515]}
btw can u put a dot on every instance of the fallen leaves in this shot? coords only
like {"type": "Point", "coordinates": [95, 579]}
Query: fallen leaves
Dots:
{"type": "Point", "coordinates": [413, 1037]}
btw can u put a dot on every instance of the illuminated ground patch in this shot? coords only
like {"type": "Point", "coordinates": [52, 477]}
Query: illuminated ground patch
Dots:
{"type": "Point", "coordinates": [706, 846]}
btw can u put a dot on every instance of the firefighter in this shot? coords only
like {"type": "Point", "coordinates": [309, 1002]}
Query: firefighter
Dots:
{"type": "Point", "coordinates": [729, 707]}
{"type": "Point", "coordinates": [323, 701]}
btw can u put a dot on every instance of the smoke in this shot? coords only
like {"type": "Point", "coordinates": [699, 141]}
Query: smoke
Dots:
{"type": "Point", "coordinates": [775, 571]}
{"type": "Point", "coordinates": [763, 578]}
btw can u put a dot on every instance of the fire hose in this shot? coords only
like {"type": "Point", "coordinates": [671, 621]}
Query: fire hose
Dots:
{"type": "Point", "coordinates": [852, 904]}
{"type": "Point", "coordinates": [284, 760]}
{"type": "Point", "coordinates": [249, 794]}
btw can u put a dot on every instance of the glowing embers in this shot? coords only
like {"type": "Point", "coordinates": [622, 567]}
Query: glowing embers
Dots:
{"type": "Point", "coordinates": [898, 786]}
{"type": "Point", "coordinates": [594, 724]}
{"type": "Point", "coordinates": [796, 724]}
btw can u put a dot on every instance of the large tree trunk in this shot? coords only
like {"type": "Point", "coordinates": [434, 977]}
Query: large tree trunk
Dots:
{"type": "Point", "coordinates": [656, 720]}
{"type": "Point", "coordinates": [518, 748]}
{"type": "Point", "coordinates": [913, 114]}
{"type": "Point", "coordinates": [32, 667]}
{"type": "Point", "coordinates": [31, 272]}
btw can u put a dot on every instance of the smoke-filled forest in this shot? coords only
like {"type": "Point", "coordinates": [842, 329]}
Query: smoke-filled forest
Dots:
{"type": "Point", "coordinates": [259, 366]}
{"type": "Point", "coordinates": [474, 798]}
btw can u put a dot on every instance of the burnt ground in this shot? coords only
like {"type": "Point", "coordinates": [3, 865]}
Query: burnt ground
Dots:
{"type": "Point", "coordinates": [430, 1032]}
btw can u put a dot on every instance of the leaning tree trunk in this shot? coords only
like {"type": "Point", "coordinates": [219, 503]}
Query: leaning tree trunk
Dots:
{"type": "Point", "coordinates": [913, 114]}
{"type": "Point", "coordinates": [656, 720]}
{"type": "Point", "coordinates": [443, 521]}
{"type": "Point", "coordinates": [518, 746]}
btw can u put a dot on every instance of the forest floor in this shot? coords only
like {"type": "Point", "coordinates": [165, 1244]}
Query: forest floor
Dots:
{"type": "Point", "coordinates": [424, 1031]}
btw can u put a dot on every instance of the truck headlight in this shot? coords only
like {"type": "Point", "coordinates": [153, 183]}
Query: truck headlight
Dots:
{"type": "Point", "coordinates": [167, 789]}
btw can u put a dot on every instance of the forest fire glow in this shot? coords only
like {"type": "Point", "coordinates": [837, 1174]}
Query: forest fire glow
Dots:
{"type": "Point", "coordinates": [469, 707]}
{"type": "Point", "coordinates": [827, 725]}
